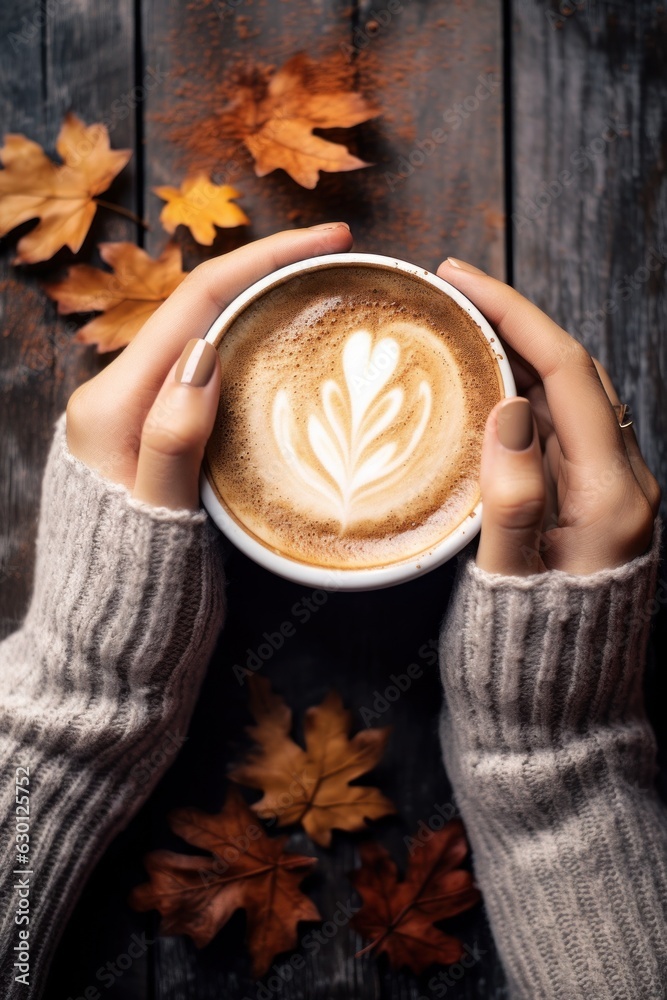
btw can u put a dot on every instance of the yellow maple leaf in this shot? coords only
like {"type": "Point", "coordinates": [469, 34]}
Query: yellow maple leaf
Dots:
{"type": "Point", "coordinates": [61, 196]}
{"type": "Point", "coordinates": [127, 296]}
{"type": "Point", "coordinates": [200, 205]}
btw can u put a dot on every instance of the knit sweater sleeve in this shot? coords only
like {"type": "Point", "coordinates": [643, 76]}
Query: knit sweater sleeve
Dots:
{"type": "Point", "coordinates": [126, 606]}
{"type": "Point", "coordinates": [552, 761]}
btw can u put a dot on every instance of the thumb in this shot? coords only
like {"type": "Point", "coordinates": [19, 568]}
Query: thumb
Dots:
{"type": "Point", "coordinates": [513, 491]}
{"type": "Point", "coordinates": [177, 428]}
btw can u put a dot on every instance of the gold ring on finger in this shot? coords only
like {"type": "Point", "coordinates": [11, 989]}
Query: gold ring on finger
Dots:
{"type": "Point", "coordinates": [624, 414]}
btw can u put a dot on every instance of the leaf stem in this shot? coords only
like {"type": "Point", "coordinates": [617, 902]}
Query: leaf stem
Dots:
{"type": "Point", "coordinates": [121, 211]}
{"type": "Point", "coordinates": [371, 945]}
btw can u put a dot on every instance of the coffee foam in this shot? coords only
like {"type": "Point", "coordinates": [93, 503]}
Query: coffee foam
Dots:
{"type": "Point", "coordinates": [353, 403]}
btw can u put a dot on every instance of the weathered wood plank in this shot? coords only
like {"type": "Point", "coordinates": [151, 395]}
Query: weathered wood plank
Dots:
{"type": "Point", "coordinates": [590, 206]}
{"type": "Point", "coordinates": [419, 65]}
{"type": "Point", "coordinates": [54, 58]}
{"type": "Point", "coordinates": [438, 187]}
{"type": "Point", "coordinates": [25, 358]}
{"type": "Point", "coordinates": [590, 211]}
{"type": "Point", "coordinates": [50, 63]}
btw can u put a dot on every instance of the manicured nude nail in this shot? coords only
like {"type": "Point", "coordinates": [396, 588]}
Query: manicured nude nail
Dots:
{"type": "Point", "coordinates": [197, 363]}
{"type": "Point", "coordinates": [330, 225]}
{"type": "Point", "coordinates": [463, 266]}
{"type": "Point", "coordinates": [515, 424]}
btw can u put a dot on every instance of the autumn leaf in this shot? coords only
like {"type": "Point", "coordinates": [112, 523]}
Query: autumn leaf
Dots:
{"type": "Point", "coordinates": [200, 205]}
{"type": "Point", "coordinates": [311, 786]}
{"type": "Point", "coordinates": [198, 894]}
{"type": "Point", "coordinates": [398, 917]}
{"type": "Point", "coordinates": [277, 124]}
{"type": "Point", "coordinates": [126, 297]}
{"type": "Point", "coordinates": [61, 196]}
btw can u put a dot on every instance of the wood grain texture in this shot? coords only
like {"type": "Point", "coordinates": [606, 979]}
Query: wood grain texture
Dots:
{"type": "Point", "coordinates": [590, 206]}
{"type": "Point", "coordinates": [51, 63]}
{"type": "Point", "coordinates": [79, 57]}
{"type": "Point", "coordinates": [589, 215]}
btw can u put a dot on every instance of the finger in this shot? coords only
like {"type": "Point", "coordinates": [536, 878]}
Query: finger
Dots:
{"type": "Point", "coordinates": [642, 473]}
{"type": "Point", "coordinates": [513, 491]}
{"type": "Point", "coordinates": [577, 400]}
{"type": "Point", "coordinates": [176, 430]}
{"type": "Point", "coordinates": [195, 304]}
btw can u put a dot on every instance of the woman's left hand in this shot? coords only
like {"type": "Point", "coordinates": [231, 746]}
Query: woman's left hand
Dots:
{"type": "Point", "coordinates": [563, 485]}
{"type": "Point", "coordinates": [145, 419]}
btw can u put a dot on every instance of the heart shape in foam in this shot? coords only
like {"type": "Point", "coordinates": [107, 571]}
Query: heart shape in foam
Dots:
{"type": "Point", "coordinates": [348, 442]}
{"type": "Point", "coordinates": [367, 370]}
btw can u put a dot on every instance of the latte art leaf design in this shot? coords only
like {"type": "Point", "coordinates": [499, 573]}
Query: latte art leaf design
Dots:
{"type": "Point", "coordinates": [353, 455]}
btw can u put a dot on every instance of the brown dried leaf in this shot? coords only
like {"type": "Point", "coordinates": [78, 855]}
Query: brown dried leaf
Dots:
{"type": "Point", "coordinates": [61, 196]}
{"type": "Point", "coordinates": [311, 786]}
{"type": "Point", "coordinates": [197, 895]}
{"type": "Point", "coordinates": [277, 127]}
{"type": "Point", "coordinates": [398, 917]}
{"type": "Point", "coordinates": [127, 296]}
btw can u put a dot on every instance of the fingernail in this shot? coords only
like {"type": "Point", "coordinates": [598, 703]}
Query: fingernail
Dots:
{"type": "Point", "coordinates": [462, 266]}
{"type": "Point", "coordinates": [331, 225]}
{"type": "Point", "coordinates": [515, 424]}
{"type": "Point", "coordinates": [197, 363]}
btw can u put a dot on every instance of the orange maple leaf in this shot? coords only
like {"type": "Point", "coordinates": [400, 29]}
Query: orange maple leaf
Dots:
{"type": "Point", "coordinates": [126, 297]}
{"type": "Point", "coordinates": [311, 786]}
{"type": "Point", "coordinates": [398, 917]}
{"type": "Point", "coordinates": [200, 205]}
{"type": "Point", "coordinates": [197, 894]}
{"type": "Point", "coordinates": [277, 127]}
{"type": "Point", "coordinates": [62, 197]}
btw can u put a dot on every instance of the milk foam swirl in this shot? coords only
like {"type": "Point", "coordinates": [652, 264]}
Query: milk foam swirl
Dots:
{"type": "Point", "coordinates": [351, 458]}
{"type": "Point", "coordinates": [352, 408]}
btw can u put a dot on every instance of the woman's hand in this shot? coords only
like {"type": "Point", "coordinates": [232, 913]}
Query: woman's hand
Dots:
{"type": "Point", "coordinates": [563, 485]}
{"type": "Point", "coordinates": [144, 421]}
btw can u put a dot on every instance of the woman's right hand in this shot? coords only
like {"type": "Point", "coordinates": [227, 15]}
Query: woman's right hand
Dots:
{"type": "Point", "coordinates": [145, 419]}
{"type": "Point", "coordinates": [563, 485]}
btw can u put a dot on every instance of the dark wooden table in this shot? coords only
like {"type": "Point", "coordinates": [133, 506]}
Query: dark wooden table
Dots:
{"type": "Point", "coordinates": [574, 86]}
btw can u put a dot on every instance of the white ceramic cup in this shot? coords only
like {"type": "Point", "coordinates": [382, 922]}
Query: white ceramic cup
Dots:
{"type": "Point", "coordinates": [323, 577]}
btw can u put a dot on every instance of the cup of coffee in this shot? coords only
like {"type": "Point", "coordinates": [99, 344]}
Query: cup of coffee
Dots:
{"type": "Point", "coordinates": [346, 448]}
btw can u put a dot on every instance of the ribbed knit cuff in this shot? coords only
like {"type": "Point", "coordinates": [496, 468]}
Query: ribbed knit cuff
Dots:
{"type": "Point", "coordinates": [127, 603]}
{"type": "Point", "coordinates": [527, 660]}
{"type": "Point", "coordinates": [552, 762]}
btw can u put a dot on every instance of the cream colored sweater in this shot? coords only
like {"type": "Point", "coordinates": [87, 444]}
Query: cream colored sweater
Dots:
{"type": "Point", "coordinates": [545, 737]}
